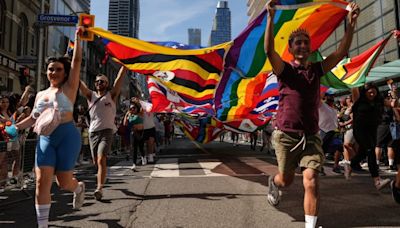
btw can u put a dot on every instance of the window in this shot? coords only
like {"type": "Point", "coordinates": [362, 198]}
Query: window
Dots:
{"type": "Point", "coordinates": [2, 22]}
{"type": "Point", "coordinates": [22, 36]}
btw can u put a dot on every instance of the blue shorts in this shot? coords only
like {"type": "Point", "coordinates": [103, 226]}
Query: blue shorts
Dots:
{"type": "Point", "coordinates": [60, 149]}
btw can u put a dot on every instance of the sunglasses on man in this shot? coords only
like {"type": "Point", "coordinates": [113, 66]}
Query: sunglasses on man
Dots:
{"type": "Point", "coordinates": [100, 82]}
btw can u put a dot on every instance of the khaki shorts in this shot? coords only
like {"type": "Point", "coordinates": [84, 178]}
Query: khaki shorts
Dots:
{"type": "Point", "coordinates": [100, 142]}
{"type": "Point", "coordinates": [311, 157]}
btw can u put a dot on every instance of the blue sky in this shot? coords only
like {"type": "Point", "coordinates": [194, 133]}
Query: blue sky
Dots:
{"type": "Point", "coordinates": [168, 20]}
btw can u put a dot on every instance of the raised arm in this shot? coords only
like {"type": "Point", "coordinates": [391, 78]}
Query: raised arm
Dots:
{"type": "Point", "coordinates": [118, 83]}
{"type": "Point", "coordinates": [273, 57]}
{"type": "Point", "coordinates": [355, 94]}
{"type": "Point", "coordinates": [333, 59]}
{"type": "Point", "coordinates": [73, 78]}
{"type": "Point", "coordinates": [85, 91]}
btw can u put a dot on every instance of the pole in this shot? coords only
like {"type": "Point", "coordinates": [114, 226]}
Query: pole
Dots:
{"type": "Point", "coordinates": [40, 54]}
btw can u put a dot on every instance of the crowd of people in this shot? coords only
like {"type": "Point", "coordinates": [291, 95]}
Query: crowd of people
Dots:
{"type": "Point", "coordinates": [306, 128]}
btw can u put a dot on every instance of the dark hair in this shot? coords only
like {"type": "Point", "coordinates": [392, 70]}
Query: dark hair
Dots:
{"type": "Point", "coordinates": [8, 98]}
{"type": "Point", "coordinates": [296, 33]}
{"type": "Point", "coordinates": [64, 60]}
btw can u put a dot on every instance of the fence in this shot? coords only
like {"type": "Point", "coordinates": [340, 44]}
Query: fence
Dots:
{"type": "Point", "coordinates": [25, 174]}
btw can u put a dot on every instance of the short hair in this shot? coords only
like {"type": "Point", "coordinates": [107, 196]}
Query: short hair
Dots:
{"type": "Point", "coordinates": [64, 60]}
{"type": "Point", "coordinates": [296, 33]}
{"type": "Point", "coordinates": [102, 76]}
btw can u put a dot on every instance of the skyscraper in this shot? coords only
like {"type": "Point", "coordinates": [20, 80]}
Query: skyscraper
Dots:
{"type": "Point", "coordinates": [123, 17]}
{"type": "Point", "coordinates": [194, 36]}
{"type": "Point", "coordinates": [221, 30]}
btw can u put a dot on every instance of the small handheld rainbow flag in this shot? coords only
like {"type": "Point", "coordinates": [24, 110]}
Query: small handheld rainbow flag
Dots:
{"type": "Point", "coordinates": [70, 48]}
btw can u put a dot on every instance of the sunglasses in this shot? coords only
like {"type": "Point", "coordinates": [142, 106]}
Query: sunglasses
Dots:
{"type": "Point", "coordinates": [99, 81]}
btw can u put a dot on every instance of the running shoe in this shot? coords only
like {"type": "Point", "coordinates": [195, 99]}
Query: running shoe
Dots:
{"type": "Point", "coordinates": [98, 194]}
{"type": "Point", "coordinates": [395, 192]}
{"type": "Point", "coordinates": [381, 183]}
{"type": "Point", "coordinates": [274, 195]}
{"type": "Point", "coordinates": [79, 198]}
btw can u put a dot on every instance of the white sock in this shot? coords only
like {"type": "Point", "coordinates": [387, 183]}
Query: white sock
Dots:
{"type": "Point", "coordinates": [311, 221]}
{"type": "Point", "coordinates": [391, 162]}
{"type": "Point", "coordinates": [377, 162]}
{"type": "Point", "coordinates": [42, 214]}
{"type": "Point", "coordinates": [78, 189]}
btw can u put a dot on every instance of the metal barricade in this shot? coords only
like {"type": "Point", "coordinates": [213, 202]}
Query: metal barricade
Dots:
{"type": "Point", "coordinates": [25, 158]}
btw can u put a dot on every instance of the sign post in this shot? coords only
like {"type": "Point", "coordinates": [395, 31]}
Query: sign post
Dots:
{"type": "Point", "coordinates": [55, 19]}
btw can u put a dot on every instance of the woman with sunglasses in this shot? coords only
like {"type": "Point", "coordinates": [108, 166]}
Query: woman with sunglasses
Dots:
{"type": "Point", "coordinates": [58, 152]}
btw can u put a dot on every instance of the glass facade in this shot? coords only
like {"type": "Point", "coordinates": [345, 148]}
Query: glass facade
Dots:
{"type": "Point", "coordinates": [58, 36]}
{"type": "Point", "coordinates": [123, 17]}
{"type": "Point", "coordinates": [221, 30]}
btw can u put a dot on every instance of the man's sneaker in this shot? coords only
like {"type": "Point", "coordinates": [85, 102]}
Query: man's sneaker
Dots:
{"type": "Point", "coordinates": [98, 194]}
{"type": "Point", "coordinates": [79, 198]}
{"type": "Point", "coordinates": [133, 168]}
{"type": "Point", "coordinates": [381, 183]}
{"type": "Point", "coordinates": [274, 195]}
{"type": "Point", "coordinates": [392, 168]}
{"type": "Point", "coordinates": [395, 192]}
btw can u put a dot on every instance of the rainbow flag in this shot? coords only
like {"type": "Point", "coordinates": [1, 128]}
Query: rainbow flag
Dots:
{"type": "Point", "coordinates": [193, 73]}
{"type": "Point", "coordinates": [70, 48]}
{"type": "Point", "coordinates": [246, 59]}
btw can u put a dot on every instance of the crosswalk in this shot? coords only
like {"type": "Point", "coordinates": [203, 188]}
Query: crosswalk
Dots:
{"type": "Point", "coordinates": [187, 167]}
{"type": "Point", "coordinates": [170, 167]}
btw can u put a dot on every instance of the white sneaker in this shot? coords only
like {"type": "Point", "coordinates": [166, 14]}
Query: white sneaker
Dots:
{"type": "Point", "coordinates": [133, 167]}
{"type": "Point", "coordinates": [79, 198]}
{"type": "Point", "coordinates": [144, 161]}
{"type": "Point", "coordinates": [381, 183]}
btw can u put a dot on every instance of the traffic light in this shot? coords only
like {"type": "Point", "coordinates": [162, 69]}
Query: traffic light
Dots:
{"type": "Point", "coordinates": [87, 21]}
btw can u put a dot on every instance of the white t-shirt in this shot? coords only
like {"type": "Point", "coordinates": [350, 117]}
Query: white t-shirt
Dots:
{"type": "Point", "coordinates": [328, 120]}
{"type": "Point", "coordinates": [102, 114]}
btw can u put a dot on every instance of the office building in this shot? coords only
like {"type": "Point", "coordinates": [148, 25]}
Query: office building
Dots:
{"type": "Point", "coordinates": [194, 36]}
{"type": "Point", "coordinates": [123, 17]}
{"type": "Point", "coordinates": [221, 29]}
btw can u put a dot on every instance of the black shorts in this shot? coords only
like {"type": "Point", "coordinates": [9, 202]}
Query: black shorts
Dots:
{"type": "Point", "coordinates": [149, 133]}
{"type": "Point", "coordinates": [384, 138]}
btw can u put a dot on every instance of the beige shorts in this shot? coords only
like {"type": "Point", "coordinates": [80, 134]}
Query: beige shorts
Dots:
{"type": "Point", "coordinates": [311, 157]}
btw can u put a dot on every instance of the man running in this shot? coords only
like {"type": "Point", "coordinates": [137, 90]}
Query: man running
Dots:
{"type": "Point", "coordinates": [296, 138]}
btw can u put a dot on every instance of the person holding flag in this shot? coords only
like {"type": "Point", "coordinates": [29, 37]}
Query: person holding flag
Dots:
{"type": "Point", "coordinates": [295, 138]}
{"type": "Point", "coordinates": [57, 152]}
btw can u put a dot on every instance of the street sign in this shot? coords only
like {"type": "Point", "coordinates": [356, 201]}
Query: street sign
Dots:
{"type": "Point", "coordinates": [55, 19]}
{"type": "Point", "coordinates": [27, 60]}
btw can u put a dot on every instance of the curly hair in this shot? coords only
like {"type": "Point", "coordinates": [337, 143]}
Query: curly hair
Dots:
{"type": "Point", "coordinates": [296, 33]}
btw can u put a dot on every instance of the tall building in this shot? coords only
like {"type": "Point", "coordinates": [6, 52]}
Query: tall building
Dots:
{"type": "Point", "coordinates": [221, 30]}
{"type": "Point", "coordinates": [123, 17]}
{"type": "Point", "coordinates": [194, 36]}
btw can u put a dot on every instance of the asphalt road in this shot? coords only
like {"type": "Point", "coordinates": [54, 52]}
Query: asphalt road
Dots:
{"type": "Point", "coordinates": [215, 185]}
